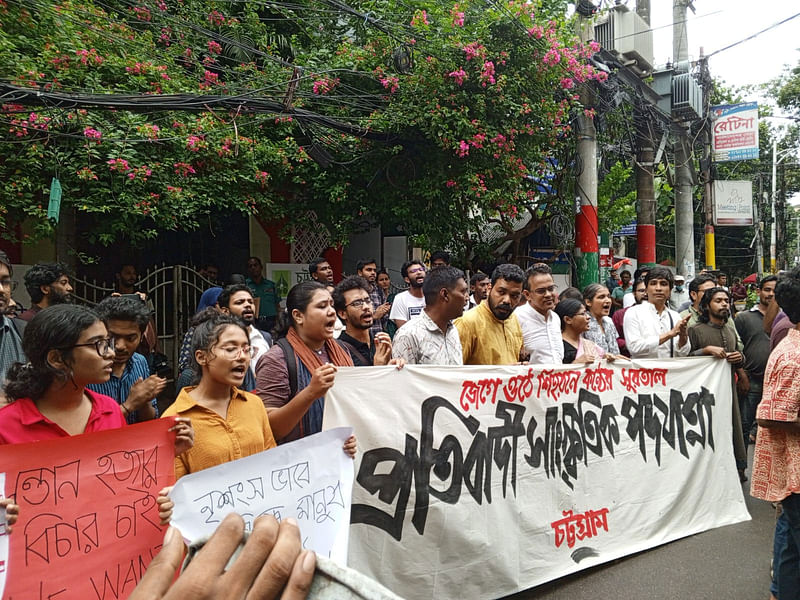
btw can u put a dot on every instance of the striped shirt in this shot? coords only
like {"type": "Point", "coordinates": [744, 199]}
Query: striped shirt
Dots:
{"type": "Point", "coordinates": [10, 347]}
{"type": "Point", "coordinates": [120, 387]}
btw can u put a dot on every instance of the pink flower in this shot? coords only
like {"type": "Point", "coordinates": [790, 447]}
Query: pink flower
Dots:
{"type": "Point", "coordinates": [474, 50]}
{"type": "Point", "coordinates": [463, 149]}
{"type": "Point", "coordinates": [391, 83]}
{"type": "Point", "coordinates": [118, 164]}
{"type": "Point", "coordinates": [194, 143]}
{"type": "Point", "coordinates": [450, 183]}
{"type": "Point", "coordinates": [261, 177]}
{"type": "Point", "coordinates": [552, 57]}
{"type": "Point", "coordinates": [536, 31]}
{"type": "Point", "coordinates": [214, 47]}
{"type": "Point", "coordinates": [216, 18]}
{"type": "Point", "coordinates": [487, 73]}
{"type": "Point", "coordinates": [184, 169]}
{"type": "Point", "coordinates": [420, 18]}
{"type": "Point", "coordinates": [567, 83]}
{"type": "Point", "coordinates": [210, 78]}
{"type": "Point", "coordinates": [457, 16]}
{"type": "Point", "coordinates": [325, 85]}
{"type": "Point", "coordinates": [92, 134]}
{"type": "Point", "coordinates": [162, 6]}
{"type": "Point", "coordinates": [460, 76]}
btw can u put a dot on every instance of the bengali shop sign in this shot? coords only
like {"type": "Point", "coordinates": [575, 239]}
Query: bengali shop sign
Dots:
{"type": "Point", "coordinates": [477, 482]}
{"type": "Point", "coordinates": [88, 523]}
{"type": "Point", "coordinates": [734, 131]}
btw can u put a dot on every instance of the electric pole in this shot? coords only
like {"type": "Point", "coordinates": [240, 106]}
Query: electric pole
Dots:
{"type": "Point", "coordinates": [705, 79]}
{"type": "Point", "coordinates": [643, 169]}
{"type": "Point", "coordinates": [684, 206]}
{"type": "Point", "coordinates": [586, 225]}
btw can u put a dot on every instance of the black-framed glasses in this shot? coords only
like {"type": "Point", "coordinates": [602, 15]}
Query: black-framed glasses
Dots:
{"type": "Point", "coordinates": [359, 303]}
{"type": "Point", "coordinates": [9, 284]}
{"type": "Point", "coordinates": [102, 346]}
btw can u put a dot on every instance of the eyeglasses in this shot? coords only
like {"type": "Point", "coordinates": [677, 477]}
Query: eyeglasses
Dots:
{"type": "Point", "coordinates": [545, 290]}
{"type": "Point", "coordinates": [415, 271]}
{"type": "Point", "coordinates": [233, 352]}
{"type": "Point", "coordinates": [9, 284]}
{"type": "Point", "coordinates": [360, 302]}
{"type": "Point", "coordinates": [102, 346]}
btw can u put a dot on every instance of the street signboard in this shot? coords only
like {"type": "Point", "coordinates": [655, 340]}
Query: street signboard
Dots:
{"type": "Point", "coordinates": [734, 131]}
{"type": "Point", "coordinates": [733, 203]}
{"type": "Point", "coordinates": [629, 229]}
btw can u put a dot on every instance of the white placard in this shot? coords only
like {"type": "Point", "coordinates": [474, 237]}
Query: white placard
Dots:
{"type": "Point", "coordinates": [478, 482]}
{"type": "Point", "coordinates": [310, 480]}
{"type": "Point", "coordinates": [734, 131]}
{"type": "Point", "coordinates": [733, 202]}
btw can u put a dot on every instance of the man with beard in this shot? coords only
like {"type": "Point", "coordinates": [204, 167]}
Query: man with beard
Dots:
{"type": "Point", "coordinates": [131, 384]}
{"type": "Point", "coordinates": [651, 328]}
{"type": "Point", "coordinates": [237, 300]}
{"type": "Point", "coordinates": [410, 303]}
{"type": "Point", "coordinates": [710, 336]}
{"type": "Point", "coordinates": [47, 284]}
{"type": "Point", "coordinates": [490, 334]}
{"type": "Point", "coordinates": [127, 276]}
{"type": "Point", "coordinates": [368, 269]}
{"type": "Point", "coordinates": [320, 270]}
{"type": "Point", "coordinates": [479, 288]}
{"type": "Point", "coordinates": [432, 339]}
{"type": "Point", "coordinates": [541, 327]}
{"type": "Point", "coordinates": [10, 329]}
{"type": "Point", "coordinates": [354, 307]}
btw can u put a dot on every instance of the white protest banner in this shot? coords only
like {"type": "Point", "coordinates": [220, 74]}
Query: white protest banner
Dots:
{"type": "Point", "coordinates": [310, 479]}
{"type": "Point", "coordinates": [477, 482]}
{"type": "Point", "coordinates": [3, 538]}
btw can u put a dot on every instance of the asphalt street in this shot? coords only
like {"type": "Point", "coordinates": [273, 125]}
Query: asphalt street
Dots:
{"type": "Point", "coordinates": [727, 563]}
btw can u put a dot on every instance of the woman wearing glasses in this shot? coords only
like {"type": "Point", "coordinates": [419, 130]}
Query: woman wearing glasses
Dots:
{"type": "Point", "coordinates": [574, 324]}
{"type": "Point", "coordinates": [228, 422]}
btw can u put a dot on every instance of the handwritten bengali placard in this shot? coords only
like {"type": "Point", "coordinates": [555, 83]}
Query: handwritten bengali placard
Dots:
{"type": "Point", "coordinates": [88, 523]}
{"type": "Point", "coordinates": [310, 480]}
{"type": "Point", "coordinates": [477, 482]}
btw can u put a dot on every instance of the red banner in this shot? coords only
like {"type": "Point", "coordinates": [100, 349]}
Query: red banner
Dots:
{"type": "Point", "coordinates": [88, 523]}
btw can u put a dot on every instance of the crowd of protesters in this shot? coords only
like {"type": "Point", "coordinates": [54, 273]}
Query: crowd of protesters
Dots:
{"type": "Point", "coordinates": [255, 367]}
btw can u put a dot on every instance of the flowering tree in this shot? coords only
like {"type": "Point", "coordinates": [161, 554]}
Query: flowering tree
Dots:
{"type": "Point", "coordinates": [437, 117]}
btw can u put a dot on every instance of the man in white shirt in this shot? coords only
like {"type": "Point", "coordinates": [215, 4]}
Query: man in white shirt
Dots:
{"type": "Point", "coordinates": [679, 294]}
{"type": "Point", "coordinates": [410, 303]}
{"type": "Point", "coordinates": [652, 330]}
{"type": "Point", "coordinates": [541, 327]}
{"type": "Point", "coordinates": [237, 300]}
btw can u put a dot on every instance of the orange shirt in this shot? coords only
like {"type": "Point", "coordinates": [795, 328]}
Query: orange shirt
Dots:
{"type": "Point", "coordinates": [245, 431]}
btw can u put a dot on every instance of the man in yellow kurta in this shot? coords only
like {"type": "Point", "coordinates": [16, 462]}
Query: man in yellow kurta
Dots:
{"type": "Point", "coordinates": [490, 333]}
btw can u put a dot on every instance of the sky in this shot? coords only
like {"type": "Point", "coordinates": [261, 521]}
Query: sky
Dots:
{"type": "Point", "coordinates": [718, 23]}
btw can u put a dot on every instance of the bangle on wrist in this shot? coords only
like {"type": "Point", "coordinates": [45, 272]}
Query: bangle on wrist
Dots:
{"type": "Point", "coordinates": [125, 409]}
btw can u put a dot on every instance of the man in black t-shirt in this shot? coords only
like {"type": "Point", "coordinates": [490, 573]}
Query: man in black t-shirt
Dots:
{"type": "Point", "coordinates": [750, 326]}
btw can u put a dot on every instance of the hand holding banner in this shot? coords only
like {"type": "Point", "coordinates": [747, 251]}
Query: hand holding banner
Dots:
{"type": "Point", "coordinates": [310, 479]}
{"type": "Point", "coordinates": [88, 522]}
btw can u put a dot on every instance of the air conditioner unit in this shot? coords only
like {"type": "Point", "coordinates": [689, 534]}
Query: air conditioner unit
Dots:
{"type": "Point", "coordinates": [626, 34]}
{"type": "Point", "coordinates": [687, 97]}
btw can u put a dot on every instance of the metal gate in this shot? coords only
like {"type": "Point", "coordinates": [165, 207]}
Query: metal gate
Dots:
{"type": "Point", "coordinates": [174, 291]}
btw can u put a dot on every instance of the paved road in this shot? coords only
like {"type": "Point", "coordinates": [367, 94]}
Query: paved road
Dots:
{"type": "Point", "coordinates": [728, 563]}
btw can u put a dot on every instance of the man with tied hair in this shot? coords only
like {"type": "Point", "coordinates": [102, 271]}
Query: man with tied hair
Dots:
{"type": "Point", "coordinates": [410, 303]}
{"type": "Point", "coordinates": [652, 329]}
{"type": "Point", "coordinates": [131, 384]}
{"type": "Point", "coordinates": [431, 338]}
{"type": "Point", "coordinates": [750, 325]}
{"type": "Point", "coordinates": [711, 336]}
{"type": "Point", "coordinates": [368, 269]}
{"type": "Point", "coordinates": [354, 307]}
{"type": "Point", "coordinates": [776, 462]}
{"type": "Point", "coordinates": [490, 334]}
{"type": "Point", "coordinates": [320, 270]}
{"type": "Point", "coordinates": [47, 284]}
{"type": "Point", "coordinates": [541, 326]}
{"type": "Point", "coordinates": [237, 300]}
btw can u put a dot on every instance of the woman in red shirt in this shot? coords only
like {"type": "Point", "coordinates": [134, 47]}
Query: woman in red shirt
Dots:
{"type": "Point", "coordinates": [67, 348]}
